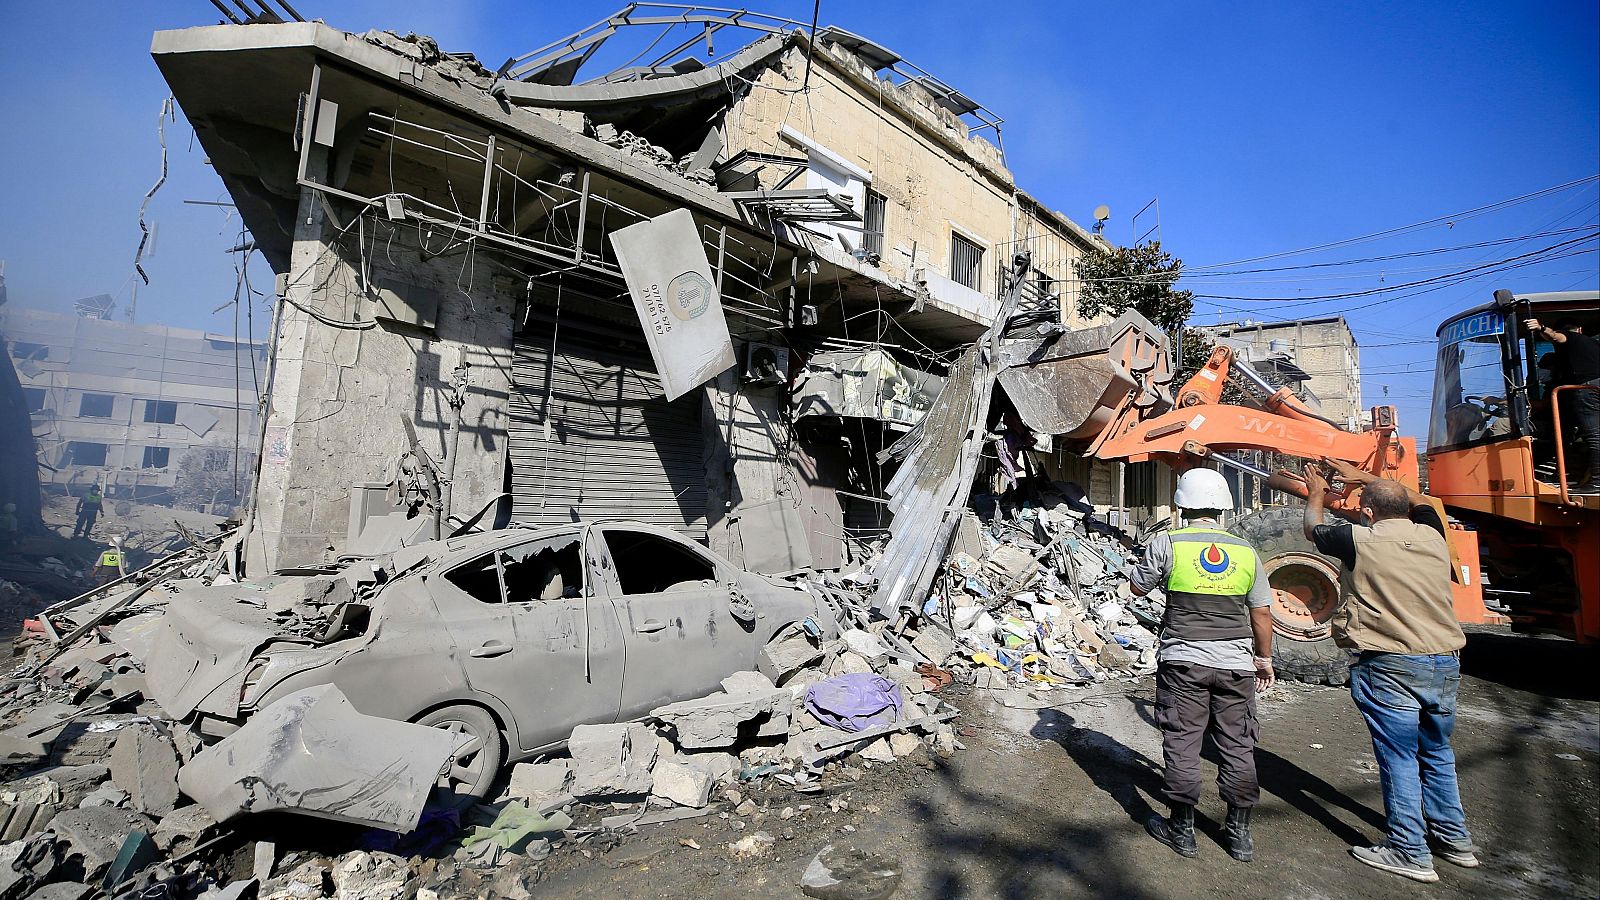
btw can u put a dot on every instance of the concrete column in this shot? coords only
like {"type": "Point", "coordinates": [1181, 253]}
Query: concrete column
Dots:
{"type": "Point", "coordinates": [343, 385]}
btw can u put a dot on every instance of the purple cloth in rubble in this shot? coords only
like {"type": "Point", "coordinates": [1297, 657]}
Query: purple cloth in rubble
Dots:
{"type": "Point", "coordinates": [855, 702]}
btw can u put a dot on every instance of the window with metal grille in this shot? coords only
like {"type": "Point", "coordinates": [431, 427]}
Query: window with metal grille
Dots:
{"type": "Point", "coordinates": [97, 406]}
{"type": "Point", "coordinates": [157, 457]}
{"type": "Point", "coordinates": [872, 223]}
{"type": "Point", "coordinates": [966, 262]}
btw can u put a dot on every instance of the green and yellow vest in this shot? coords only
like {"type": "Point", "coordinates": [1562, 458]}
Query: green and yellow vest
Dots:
{"type": "Point", "coordinates": [1208, 586]}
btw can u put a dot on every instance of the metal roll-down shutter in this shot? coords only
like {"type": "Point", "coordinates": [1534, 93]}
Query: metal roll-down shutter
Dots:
{"type": "Point", "coordinates": [592, 438]}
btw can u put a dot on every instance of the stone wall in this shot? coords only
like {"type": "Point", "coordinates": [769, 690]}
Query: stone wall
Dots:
{"type": "Point", "coordinates": [339, 391]}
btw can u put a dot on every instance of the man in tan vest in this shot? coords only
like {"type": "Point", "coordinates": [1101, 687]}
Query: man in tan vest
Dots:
{"type": "Point", "coordinates": [1395, 611]}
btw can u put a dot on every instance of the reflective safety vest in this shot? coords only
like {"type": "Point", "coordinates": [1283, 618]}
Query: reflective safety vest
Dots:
{"type": "Point", "coordinates": [1208, 585]}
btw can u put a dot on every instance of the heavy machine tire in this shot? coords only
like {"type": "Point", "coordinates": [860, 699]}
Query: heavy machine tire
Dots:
{"type": "Point", "coordinates": [473, 769]}
{"type": "Point", "coordinates": [1305, 591]}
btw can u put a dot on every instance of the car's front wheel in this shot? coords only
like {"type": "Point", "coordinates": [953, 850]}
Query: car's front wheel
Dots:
{"type": "Point", "coordinates": [474, 766]}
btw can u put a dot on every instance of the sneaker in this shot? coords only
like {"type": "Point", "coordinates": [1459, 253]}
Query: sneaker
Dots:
{"type": "Point", "coordinates": [1586, 489]}
{"type": "Point", "coordinates": [1391, 860]}
{"type": "Point", "coordinates": [1465, 857]}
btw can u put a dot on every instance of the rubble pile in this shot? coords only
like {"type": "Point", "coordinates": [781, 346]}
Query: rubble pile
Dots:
{"type": "Point", "coordinates": [102, 786]}
{"type": "Point", "coordinates": [1039, 597]}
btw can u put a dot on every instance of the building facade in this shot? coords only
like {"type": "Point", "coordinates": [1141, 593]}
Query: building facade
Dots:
{"type": "Point", "coordinates": [139, 409]}
{"type": "Point", "coordinates": [1318, 357]}
{"type": "Point", "coordinates": [443, 237]}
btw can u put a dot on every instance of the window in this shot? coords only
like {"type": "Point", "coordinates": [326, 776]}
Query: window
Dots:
{"type": "Point", "coordinates": [96, 406]}
{"type": "Point", "coordinates": [162, 412]}
{"type": "Point", "coordinates": [650, 564]}
{"type": "Point", "coordinates": [23, 350]}
{"type": "Point", "coordinates": [156, 457]}
{"type": "Point", "coordinates": [966, 262]}
{"type": "Point", "coordinates": [1139, 484]}
{"type": "Point", "coordinates": [548, 569]}
{"type": "Point", "coordinates": [1471, 383]}
{"type": "Point", "coordinates": [35, 398]}
{"type": "Point", "coordinates": [873, 221]}
{"type": "Point", "coordinates": [86, 453]}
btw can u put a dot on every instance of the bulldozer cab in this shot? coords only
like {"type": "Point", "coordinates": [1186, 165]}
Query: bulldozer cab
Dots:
{"type": "Point", "coordinates": [1494, 383]}
{"type": "Point", "coordinates": [1503, 448]}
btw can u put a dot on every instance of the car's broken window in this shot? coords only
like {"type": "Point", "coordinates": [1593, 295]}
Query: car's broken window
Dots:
{"type": "Point", "coordinates": [550, 569]}
{"type": "Point", "coordinates": [478, 578]}
{"type": "Point", "coordinates": [648, 564]}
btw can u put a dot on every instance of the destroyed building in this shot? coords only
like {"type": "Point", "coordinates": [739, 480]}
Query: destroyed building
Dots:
{"type": "Point", "coordinates": [151, 413]}
{"type": "Point", "coordinates": [444, 238]}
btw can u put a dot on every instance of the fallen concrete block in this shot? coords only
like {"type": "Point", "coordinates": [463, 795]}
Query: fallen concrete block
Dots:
{"type": "Point", "coordinates": [935, 644]}
{"type": "Point", "coordinates": [865, 643]}
{"type": "Point", "coordinates": [878, 751]}
{"type": "Point", "coordinates": [313, 753]}
{"type": "Point", "coordinates": [789, 651]}
{"type": "Point", "coordinates": [539, 782]}
{"type": "Point", "coordinates": [720, 719]}
{"type": "Point", "coordinates": [609, 760]}
{"type": "Point", "coordinates": [371, 876]}
{"type": "Point", "coordinates": [144, 763]}
{"type": "Point", "coordinates": [27, 806]}
{"type": "Point", "coordinates": [180, 830]}
{"type": "Point", "coordinates": [680, 783]}
{"type": "Point", "coordinates": [107, 794]}
{"type": "Point", "coordinates": [903, 744]}
{"type": "Point", "coordinates": [720, 766]}
{"type": "Point", "coordinates": [97, 833]}
{"type": "Point", "coordinates": [742, 682]}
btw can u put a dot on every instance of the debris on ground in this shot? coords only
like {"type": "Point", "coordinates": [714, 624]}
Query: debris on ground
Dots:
{"type": "Point", "coordinates": [105, 787]}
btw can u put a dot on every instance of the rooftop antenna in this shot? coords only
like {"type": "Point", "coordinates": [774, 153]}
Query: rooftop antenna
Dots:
{"type": "Point", "coordinates": [1101, 214]}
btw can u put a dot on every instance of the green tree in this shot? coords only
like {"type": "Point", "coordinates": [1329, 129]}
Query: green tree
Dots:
{"type": "Point", "coordinates": [1142, 278]}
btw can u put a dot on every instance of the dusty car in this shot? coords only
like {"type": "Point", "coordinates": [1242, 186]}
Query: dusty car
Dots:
{"type": "Point", "coordinates": [512, 636]}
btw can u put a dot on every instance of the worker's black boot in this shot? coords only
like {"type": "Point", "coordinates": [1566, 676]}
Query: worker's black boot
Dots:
{"type": "Point", "coordinates": [1176, 830]}
{"type": "Point", "coordinates": [1240, 846]}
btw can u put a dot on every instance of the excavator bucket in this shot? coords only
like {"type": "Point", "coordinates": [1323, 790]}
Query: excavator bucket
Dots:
{"type": "Point", "coordinates": [1072, 384]}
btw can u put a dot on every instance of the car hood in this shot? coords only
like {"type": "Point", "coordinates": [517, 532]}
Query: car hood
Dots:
{"type": "Point", "coordinates": [203, 647]}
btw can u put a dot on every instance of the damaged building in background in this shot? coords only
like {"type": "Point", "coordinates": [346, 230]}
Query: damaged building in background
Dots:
{"type": "Point", "coordinates": [465, 261]}
{"type": "Point", "coordinates": [156, 414]}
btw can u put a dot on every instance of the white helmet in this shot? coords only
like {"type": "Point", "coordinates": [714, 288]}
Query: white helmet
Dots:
{"type": "Point", "coordinates": [1202, 489]}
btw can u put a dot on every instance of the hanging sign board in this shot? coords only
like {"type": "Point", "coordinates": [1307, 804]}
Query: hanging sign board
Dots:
{"type": "Point", "coordinates": [665, 267]}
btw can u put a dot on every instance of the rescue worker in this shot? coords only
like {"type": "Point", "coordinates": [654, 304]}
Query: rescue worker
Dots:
{"type": "Point", "coordinates": [88, 510]}
{"type": "Point", "coordinates": [1395, 609]}
{"type": "Point", "coordinates": [1215, 657]}
{"type": "Point", "coordinates": [108, 567]}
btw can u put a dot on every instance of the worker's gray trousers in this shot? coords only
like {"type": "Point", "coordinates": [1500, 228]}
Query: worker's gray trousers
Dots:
{"type": "Point", "coordinates": [1193, 701]}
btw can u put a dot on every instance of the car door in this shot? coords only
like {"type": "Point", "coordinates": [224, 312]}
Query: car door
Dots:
{"type": "Point", "coordinates": [531, 634]}
{"type": "Point", "coordinates": [674, 601]}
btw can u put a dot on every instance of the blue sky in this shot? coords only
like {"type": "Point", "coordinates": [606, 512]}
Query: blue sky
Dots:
{"type": "Point", "coordinates": [1261, 127]}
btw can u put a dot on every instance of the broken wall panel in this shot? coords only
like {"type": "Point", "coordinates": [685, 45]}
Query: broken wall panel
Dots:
{"type": "Point", "coordinates": [864, 384]}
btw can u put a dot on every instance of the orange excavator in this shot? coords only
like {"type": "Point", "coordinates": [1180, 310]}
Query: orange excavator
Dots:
{"type": "Point", "coordinates": [1498, 467]}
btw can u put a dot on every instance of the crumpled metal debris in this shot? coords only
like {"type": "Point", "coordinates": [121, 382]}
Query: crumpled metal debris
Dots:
{"type": "Point", "coordinates": [313, 753]}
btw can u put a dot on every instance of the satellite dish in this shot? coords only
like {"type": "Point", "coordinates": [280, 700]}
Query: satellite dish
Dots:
{"type": "Point", "coordinates": [1102, 213]}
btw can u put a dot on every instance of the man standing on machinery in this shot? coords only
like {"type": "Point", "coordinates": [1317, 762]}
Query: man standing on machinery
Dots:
{"type": "Point", "coordinates": [1577, 362]}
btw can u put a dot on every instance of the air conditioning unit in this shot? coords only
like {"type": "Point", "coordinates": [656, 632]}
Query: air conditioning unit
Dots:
{"type": "Point", "coordinates": [766, 364]}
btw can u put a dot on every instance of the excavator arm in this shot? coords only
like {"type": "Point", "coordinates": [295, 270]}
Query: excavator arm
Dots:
{"type": "Point", "coordinates": [1200, 425]}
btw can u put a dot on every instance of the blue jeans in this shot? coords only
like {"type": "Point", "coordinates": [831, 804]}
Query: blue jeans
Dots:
{"type": "Point", "coordinates": [1409, 704]}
